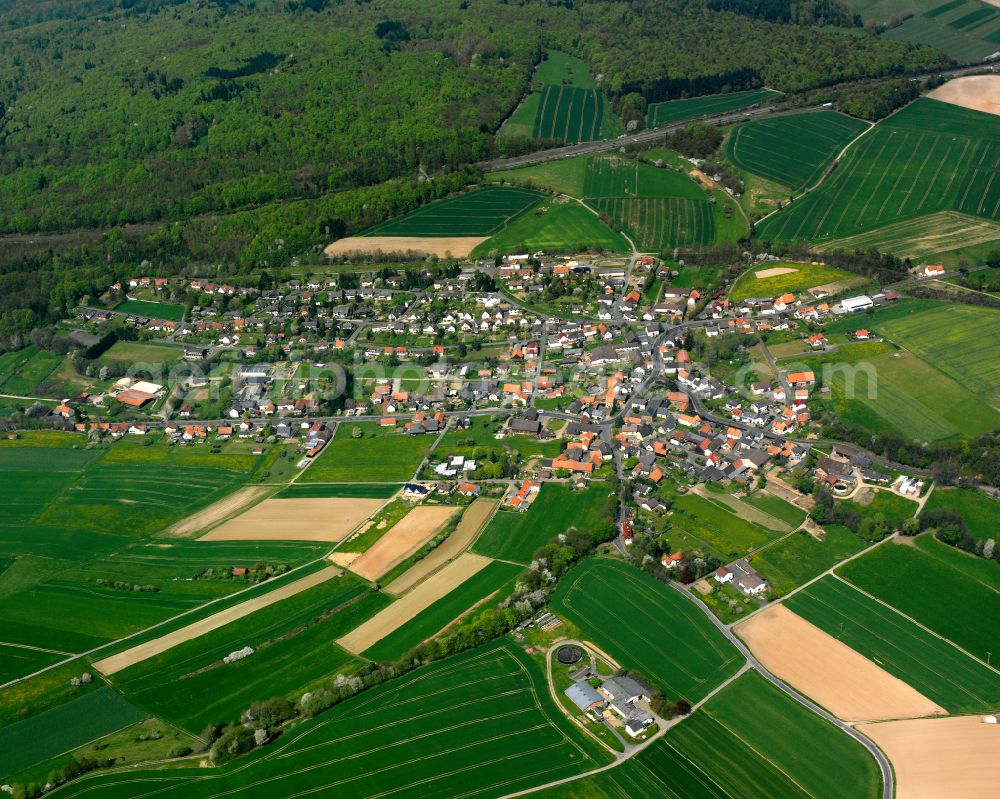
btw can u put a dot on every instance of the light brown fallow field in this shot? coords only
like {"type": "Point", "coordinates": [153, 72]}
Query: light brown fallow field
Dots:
{"type": "Point", "coordinates": [323, 519]}
{"type": "Point", "coordinates": [774, 271]}
{"type": "Point", "coordinates": [405, 537]}
{"type": "Point", "coordinates": [408, 606]}
{"type": "Point", "coordinates": [218, 511]}
{"type": "Point", "coordinates": [843, 681]}
{"type": "Point", "coordinates": [140, 652]}
{"type": "Point", "coordinates": [454, 246]}
{"type": "Point", "coordinates": [952, 758]}
{"type": "Point", "coordinates": [473, 521]}
{"type": "Point", "coordinates": [978, 92]}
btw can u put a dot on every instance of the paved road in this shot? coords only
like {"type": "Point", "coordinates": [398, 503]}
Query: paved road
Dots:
{"type": "Point", "coordinates": [885, 767]}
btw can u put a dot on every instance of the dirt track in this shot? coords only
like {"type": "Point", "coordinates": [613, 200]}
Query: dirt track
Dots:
{"type": "Point", "coordinates": [141, 652]}
{"type": "Point", "coordinates": [420, 598]}
{"type": "Point", "coordinates": [843, 681]}
{"type": "Point", "coordinates": [952, 758]}
{"type": "Point", "coordinates": [325, 519]}
{"type": "Point", "coordinates": [473, 521]}
{"type": "Point", "coordinates": [455, 246]}
{"type": "Point", "coordinates": [979, 92]}
{"type": "Point", "coordinates": [217, 511]}
{"type": "Point", "coordinates": [410, 533]}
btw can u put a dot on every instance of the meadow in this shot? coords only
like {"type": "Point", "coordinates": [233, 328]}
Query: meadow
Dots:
{"type": "Point", "coordinates": [92, 715]}
{"type": "Point", "coordinates": [672, 111]}
{"type": "Point", "coordinates": [555, 227]}
{"type": "Point", "coordinates": [479, 722]}
{"type": "Point", "coordinates": [334, 490]}
{"type": "Point", "coordinates": [154, 310]}
{"type": "Point", "coordinates": [792, 150]}
{"type": "Point", "coordinates": [777, 507]}
{"type": "Point", "coordinates": [805, 277]}
{"type": "Point", "coordinates": [16, 661]}
{"type": "Point", "coordinates": [564, 175]}
{"type": "Point", "coordinates": [646, 626]}
{"type": "Point", "coordinates": [889, 391]}
{"type": "Point", "coordinates": [190, 686]}
{"type": "Point", "coordinates": [737, 746]}
{"type": "Point", "coordinates": [480, 212]}
{"type": "Point", "coordinates": [127, 354]}
{"type": "Point", "coordinates": [932, 666]}
{"type": "Point", "coordinates": [381, 455]}
{"type": "Point", "coordinates": [613, 176]}
{"type": "Point", "coordinates": [717, 527]}
{"type": "Point", "coordinates": [515, 535]}
{"type": "Point", "coordinates": [800, 557]}
{"type": "Point", "coordinates": [963, 341]}
{"type": "Point", "coordinates": [489, 583]}
{"type": "Point", "coordinates": [932, 592]}
{"type": "Point", "coordinates": [22, 371]}
{"type": "Point", "coordinates": [926, 158]}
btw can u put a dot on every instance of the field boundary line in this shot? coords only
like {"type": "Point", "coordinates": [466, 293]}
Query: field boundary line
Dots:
{"type": "Point", "coordinates": [36, 648]}
{"type": "Point", "coordinates": [914, 621]}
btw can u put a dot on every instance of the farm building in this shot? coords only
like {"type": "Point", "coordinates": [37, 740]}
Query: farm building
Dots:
{"type": "Point", "coordinates": [584, 696]}
{"type": "Point", "coordinates": [857, 304]}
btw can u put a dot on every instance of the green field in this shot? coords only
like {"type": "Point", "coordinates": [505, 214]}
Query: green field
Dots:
{"type": "Point", "coordinates": [515, 535]}
{"type": "Point", "coordinates": [792, 150]}
{"type": "Point", "coordinates": [380, 456]}
{"type": "Point", "coordinates": [154, 310]}
{"type": "Point", "coordinates": [679, 110]}
{"type": "Point", "coordinates": [934, 593]}
{"type": "Point", "coordinates": [966, 30]}
{"type": "Point", "coordinates": [738, 746]}
{"type": "Point", "coordinates": [17, 661]}
{"type": "Point", "coordinates": [480, 722]}
{"type": "Point", "coordinates": [570, 114]}
{"type": "Point", "coordinates": [647, 627]}
{"type": "Point", "coordinates": [800, 557]}
{"type": "Point", "coordinates": [926, 158]}
{"type": "Point", "coordinates": [428, 623]}
{"type": "Point", "coordinates": [934, 667]}
{"type": "Point", "coordinates": [661, 222]}
{"type": "Point", "coordinates": [79, 520]}
{"type": "Point", "coordinates": [978, 569]}
{"type": "Point", "coordinates": [805, 277]}
{"type": "Point", "coordinates": [924, 236]}
{"type": "Point", "coordinates": [190, 686]}
{"type": "Point", "coordinates": [22, 371]}
{"type": "Point", "coordinates": [559, 67]}
{"type": "Point", "coordinates": [91, 716]}
{"type": "Point", "coordinates": [480, 212]}
{"type": "Point", "coordinates": [555, 227]}
{"type": "Point", "coordinates": [613, 176]}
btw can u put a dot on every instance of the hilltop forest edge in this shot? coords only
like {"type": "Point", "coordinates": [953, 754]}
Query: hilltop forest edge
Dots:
{"type": "Point", "coordinates": [174, 135]}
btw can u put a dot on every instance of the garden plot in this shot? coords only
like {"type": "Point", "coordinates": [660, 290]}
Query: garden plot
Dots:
{"type": "Point", "coordinates": [312, 519]}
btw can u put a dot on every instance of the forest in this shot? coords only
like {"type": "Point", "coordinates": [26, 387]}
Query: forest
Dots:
{"type": "Point", "coordinates": [253, 131]}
